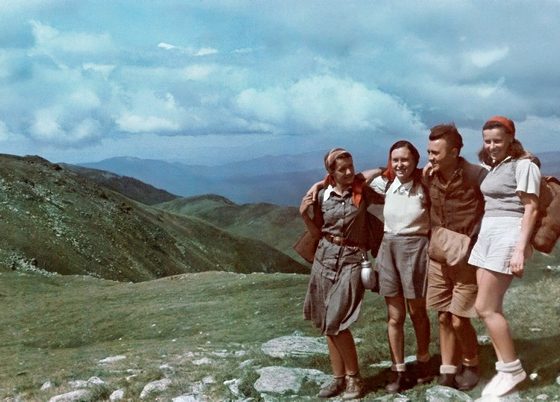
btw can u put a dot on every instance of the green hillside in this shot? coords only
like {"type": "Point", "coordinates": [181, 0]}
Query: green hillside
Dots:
{"type": "Point", "coordinates": [277, 226]}
{"type": "Point", "coordinates": [208, 328]}
{"type": "Point", "coordinates": [55, 220]}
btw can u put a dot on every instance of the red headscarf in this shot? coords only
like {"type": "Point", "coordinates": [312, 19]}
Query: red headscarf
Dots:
{"type": "Point", "coordinates": [504, 121]}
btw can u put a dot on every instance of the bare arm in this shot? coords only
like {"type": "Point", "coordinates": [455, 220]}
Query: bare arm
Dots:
{"type": "Point", "coordinates": [530, 203]}
{"type": "Point", "coordinates": [371, 174]}
{"type": "Point", "coordinates": [305, 206]}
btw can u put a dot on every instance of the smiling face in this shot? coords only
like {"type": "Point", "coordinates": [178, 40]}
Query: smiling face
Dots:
{"type": "Point", "coordinates": [403, 164]}
{"type": "Point", "coordinates": [442, 156]}
{"type": "Point", "coordinates": [496, 143]}
{"type": "Point", "coordinates": [343, 172]}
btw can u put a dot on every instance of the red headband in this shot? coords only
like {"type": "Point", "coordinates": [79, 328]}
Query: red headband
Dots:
{"type": "Point", "coordinates": [504, 121]}
{"type": "Point", "coordinates": [333, 155]}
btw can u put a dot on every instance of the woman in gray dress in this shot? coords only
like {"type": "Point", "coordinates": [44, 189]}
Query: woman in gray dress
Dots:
{"type": "Point", "coordinates": [346, 231]}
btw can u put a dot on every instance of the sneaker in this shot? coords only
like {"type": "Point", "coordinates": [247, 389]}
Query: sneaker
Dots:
{"type": "Point", "coordinates": [447, 380]}
{"type": "Point", "coordinates": [333, 388]}
{"type": "Point", "coordinates": [424, 372]}
{"type": "Point", "coordinates": [489, 388]}
{"type": "Point", "coordinates": [354, 387]}
{"type": "Point", "coordinates": [467, 378]}
{"type": "Point", "coordinates": [504, 383]}
{"type": "Point", "coordinates": [398, 384]}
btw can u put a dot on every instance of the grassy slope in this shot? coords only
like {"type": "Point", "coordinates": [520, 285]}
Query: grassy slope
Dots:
{"type": "Point", "coordinates": [58, 328]}
{"type": "Point", "coordinates": [277, 226]}
{"type": "Point", "coordinates": [56, 220]}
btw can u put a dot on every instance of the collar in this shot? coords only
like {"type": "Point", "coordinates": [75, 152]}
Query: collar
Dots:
{"type": "Point", "coordinates": [402, 188]}
{"type": "Point", "coordinates": [490, 167]}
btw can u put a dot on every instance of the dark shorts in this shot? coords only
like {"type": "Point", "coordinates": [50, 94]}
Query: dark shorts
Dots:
{"type": "Point", "coordinates": [403, 265]}
{"type": "Point", "coordinates": [452, 288]}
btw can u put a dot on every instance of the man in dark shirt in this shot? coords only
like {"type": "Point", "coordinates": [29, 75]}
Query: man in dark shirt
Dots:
{"type": "Point", "coordinates": [456, 204]}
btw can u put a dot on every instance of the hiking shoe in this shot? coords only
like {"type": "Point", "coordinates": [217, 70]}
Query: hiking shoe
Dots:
{"type": "Point", "coordinates": [398, 384]}
{"type": "Point", "coordinates": [503, 382]}
{"type": "Point", "coordinates": [354, 387]}
{"type": "Point", "coordinates": [447, 380]}
{"type": "Point", "coordinates": [333, 388]}
{"type": "Point", "coordinates": [424, 372]}
{"type": "Point", "coordinates": [467, 378]}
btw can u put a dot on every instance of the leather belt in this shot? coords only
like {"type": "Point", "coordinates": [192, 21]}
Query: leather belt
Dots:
{"type": "Point", "coordinates": [340, 240]}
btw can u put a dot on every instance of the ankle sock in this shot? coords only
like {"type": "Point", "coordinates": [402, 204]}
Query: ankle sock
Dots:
{"type": "Point", "coordinates": [447, 369]}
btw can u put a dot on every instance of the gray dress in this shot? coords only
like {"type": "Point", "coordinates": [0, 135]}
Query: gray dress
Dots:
{"type": "Point", "coordinates": [335, 291]}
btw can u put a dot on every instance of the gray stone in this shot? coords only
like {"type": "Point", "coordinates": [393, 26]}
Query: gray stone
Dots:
{"type": "Point", "coordinates": [73, 396]}
{"type": "Point", "coordinates": [233, 386]}
{"type": "Point", "coordinates": [187, 398]}
{"type": "Point", "coordinates": [112, 359]}
{"type": "Point", "coordinates": [155, 386]}
{"type": "Point", "coordinates": [445, 394]}
{"type": "Point", "coordinates": [117, 395]}
{"type": "Point", "coordinates": [484, 340]}
{"type": "Point", "coordinates": [295, 346]}
{"type": "Point", "coordinates": [558, 380]}
{"type": "Point", "coordinates": [47, 385]}
{"type": "Point", "coordinates": [284, 380]}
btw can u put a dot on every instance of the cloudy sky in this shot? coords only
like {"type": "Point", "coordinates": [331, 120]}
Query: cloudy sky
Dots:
{"type": "Point", "coordinates": [215, 81]}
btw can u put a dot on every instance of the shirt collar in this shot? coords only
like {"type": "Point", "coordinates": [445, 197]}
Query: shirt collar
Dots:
{"type": "Point", "coordinates": [330, 190]}
{"type": "Point", "coordinates": [403, 188]}
{"type": "Point", "coordinates": [490, 167]}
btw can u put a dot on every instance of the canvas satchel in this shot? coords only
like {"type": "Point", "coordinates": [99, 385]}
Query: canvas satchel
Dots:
{"type": "Point", "coordinates": [448, 247]}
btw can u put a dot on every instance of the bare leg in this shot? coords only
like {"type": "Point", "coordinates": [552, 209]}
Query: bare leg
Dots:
{"type": "Point", "coordinates": [396, 314]}
{"type": "Point", "coordinates": [466, 336]}
{"type": "Point", "coordinates": [346, 348]}
{"type": "Point", "coordinates": [337, 363]}
{"type": "Point", "coordinates": [421, 324]}
{"type": "Point", "coordinates": [447, 340]}
{"type": "Point", "coordinates": [492, 287]}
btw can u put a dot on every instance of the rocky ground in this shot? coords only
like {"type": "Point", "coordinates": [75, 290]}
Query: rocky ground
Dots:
{"type": "Point", "coordinates": [271, 383]}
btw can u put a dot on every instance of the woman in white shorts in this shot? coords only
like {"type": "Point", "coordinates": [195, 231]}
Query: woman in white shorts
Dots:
{"type": "Point", "coordinates": [511, 191]}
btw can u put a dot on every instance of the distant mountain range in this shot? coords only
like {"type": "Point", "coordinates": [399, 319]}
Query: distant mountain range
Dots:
{"type": "Point", "coordinates": [280, 180]}
{"type": "Point", "coordinates": [53, 219]}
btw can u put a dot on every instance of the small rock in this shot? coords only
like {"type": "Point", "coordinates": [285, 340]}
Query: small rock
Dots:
{"type": "Point", "coordinates": [284, 380]}
{"type": "Point", "coordinates": [112, 359]}
{"type": "Point", "coordinates": [443, 394]}
{"type": "Point", "coordinates": [558, 380]}
{"type": "Point", "coordinates": [484, 340]}
{"type": "Point", "coordinates": [73, 396]}
{"type": "Point", "coordinates": [47, 385]}
{"type": "Point", "coordinates": [202, 362]}
{"type": "Point", "coordinates": [533, 376]}
{"type": "Point", "coordinates": [78, 384]}
{"type": "Point", "coordinates": [155, 386]}
{"type": "Point", "coordinates": [542, 397]}
{"type": "Point", "coordinates": [535, 329]}
{"type": "Point", "coordinates": [95, 381]}
{"type": "Point", "coordinates": [233, 385]}
{"type": "Point", "coordinates": [208, 380]}
{"type": "Point", "coordinates": [187, 398]}
{"type": "Point", "coordinates": [117, 395]}
{"type": "Point", "coordinates": [295, 346]}
{"type": "Point", "coordinates": [245, 363]}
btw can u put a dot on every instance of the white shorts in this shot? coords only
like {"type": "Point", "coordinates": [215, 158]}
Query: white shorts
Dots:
{"type": "Point", "coordinates": [496, 242]}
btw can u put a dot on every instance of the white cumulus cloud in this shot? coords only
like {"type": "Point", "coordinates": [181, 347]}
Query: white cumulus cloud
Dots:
{"type": "Point", "coordinates": [485, 58]}
{"type": "Point", "coordinates": [327, 103]}
{"type": "Point", "coordinates": [143, 124]}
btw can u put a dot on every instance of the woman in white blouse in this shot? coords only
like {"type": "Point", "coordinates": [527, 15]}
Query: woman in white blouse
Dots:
{"type": "Point", "coordinates": [402, 259]}
{"type": "Point", "coordinates": [511, 191]}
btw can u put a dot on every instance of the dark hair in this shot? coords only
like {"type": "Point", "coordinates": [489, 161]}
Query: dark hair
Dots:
{"type": "Point", "coordinates": [449, 133]}
{"type": "Point", "coordinates": [515, 150]}
{"type": "Point", "coordinates": [389, 173]}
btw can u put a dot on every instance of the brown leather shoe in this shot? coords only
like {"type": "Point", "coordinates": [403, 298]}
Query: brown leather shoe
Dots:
{"type": "Point", "coordinates": [447, 380]}
{"type": "Point", "coordinates": [398, 384]}
{"type": "Point", "coordinates": [467, 378]}
{"type": "Point", "coordinates": [333, 388]}
{"type": "Point", "coordinates": [354, 387]}
{"type": "Point", "coordinates": [424, 372]}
